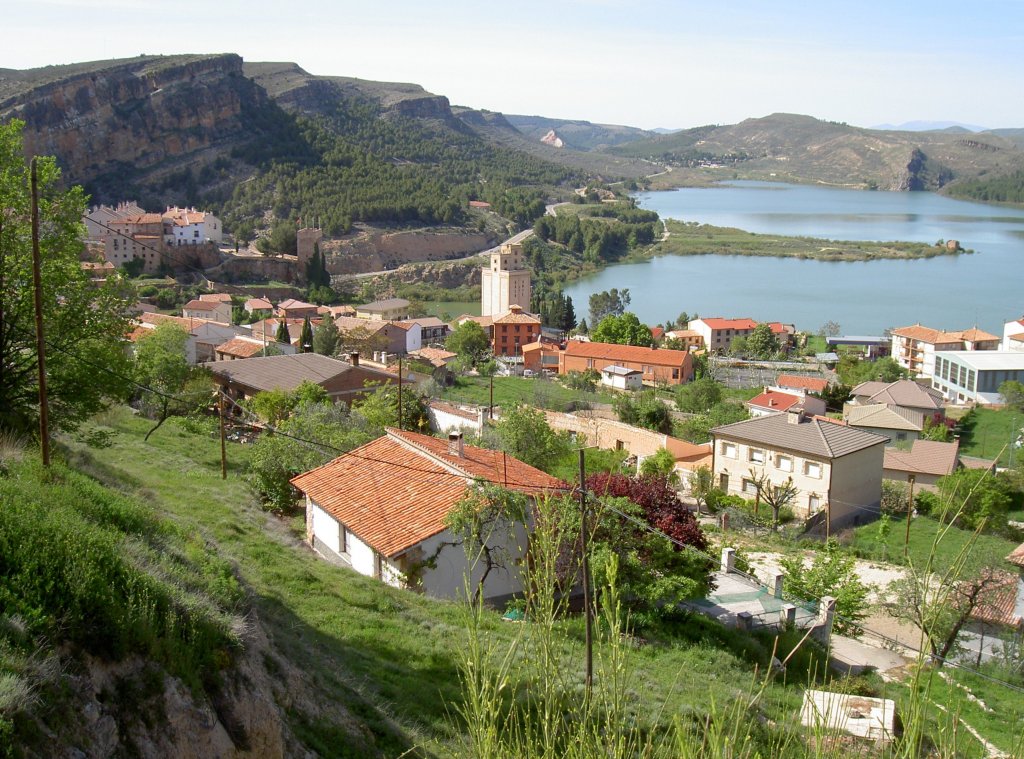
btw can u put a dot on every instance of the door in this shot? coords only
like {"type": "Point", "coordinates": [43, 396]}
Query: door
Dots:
{"type": "Point", "coordinates": [723, 482]}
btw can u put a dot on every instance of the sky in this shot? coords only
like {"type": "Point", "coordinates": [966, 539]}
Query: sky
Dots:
{"type": "Point", "coordinates": [645, 63]}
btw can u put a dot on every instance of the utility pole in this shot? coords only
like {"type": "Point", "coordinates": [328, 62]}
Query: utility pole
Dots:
{"type": "Point", "coordinates": [587, 608]}
{"type": "Point", "coordinates": [910, 510]}
{"type": "Point", "coordinates": [490, 407]}
{"type": "Point", "coordinates": [37, 288]}
{"type": "Point", "coordinates": [399, 391]}
{"type": "Point", "coordinates": [223, 446]}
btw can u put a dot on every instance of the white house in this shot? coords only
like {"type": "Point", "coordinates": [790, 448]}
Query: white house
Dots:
{"type": "Point", "coordinates": [622, 377]}
{"type": "Point", "coordinates": [187, 226]}
{"type": "Point", "coordinates": [380, 509]}
{"type": "Point", "coordinates": [837, 470]}
{"type": "Point", "coordinates": [1013, 336]}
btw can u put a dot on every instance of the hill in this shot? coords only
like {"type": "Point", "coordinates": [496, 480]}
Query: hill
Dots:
{"type": "Point", "coordinates": [801, 148]}
{"type": "Point", "coordinates": [259, 142]}
{"type": "Point", "coordinates": [579, 135]}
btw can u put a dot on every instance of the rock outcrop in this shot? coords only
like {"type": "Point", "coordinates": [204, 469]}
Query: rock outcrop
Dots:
{"type": "Point", "coordinates": [134, 114]}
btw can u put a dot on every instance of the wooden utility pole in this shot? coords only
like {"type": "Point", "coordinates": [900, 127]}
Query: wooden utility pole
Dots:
{"type": "Point", "coordinates": [910, 511]}
{"type": "Point", "coordinates": [490, 407]}
{"type": "Point", "coordinates": [587, 608]}
{"type": "Point", "coordinates": [399, 391]}
{"type": "Point", "coordinates": [223, 445]}
{"type": "Point", "coordinates": [37, 288]}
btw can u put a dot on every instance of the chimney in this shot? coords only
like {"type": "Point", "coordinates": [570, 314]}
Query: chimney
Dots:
{"type": "Point", "coordinates": [455, 447]}
{"type": "Point", "coordinates": [795, 417]}
{"type": "Point", "coordinates": [353, 358]}
{"type": "Point", "coordinates": [771, 402]}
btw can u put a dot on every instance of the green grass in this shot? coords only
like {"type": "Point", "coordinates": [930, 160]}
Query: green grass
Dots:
{"type": "Point", "coordinates": [691, 238]}
{"type": "Point", "coordinates": [535, 391]}
{"type": "Point", "coordinates": [987, 433]}
{"type": "Point", "coordinates": [1001, 722]}
{"type": "Point", "coordinates": [454, 308]}
{"type": "Point", "coordinates": [922, 536]}
{"type": "Point", "coordinates": [383, 657]}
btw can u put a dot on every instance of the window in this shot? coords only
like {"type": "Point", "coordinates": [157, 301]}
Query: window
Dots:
{"type": "Point", "coordinates": [901, 436]}
{"type": "Point", "coordinates": [756, 456]}
{"type": "Point", "coordinates": [342, 539]}
{"type": "Point", "coordinates": [729, 449]}
{"type": "Point", "coordinates": [675, 374]}
{"type": "Point", "coordinates": [813, 503]}
{"type": "Point", "coordinates": [749, 487]}
{"type": "Point", "coordinates": [785, 463]}
{"type": "Point", "coordinates": [812, 469]}
{"type": "Point", "coordinates": [378, 566]}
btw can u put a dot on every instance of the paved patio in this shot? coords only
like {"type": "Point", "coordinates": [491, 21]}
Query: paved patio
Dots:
{"type": "Point", "coordinates": [735, 594]}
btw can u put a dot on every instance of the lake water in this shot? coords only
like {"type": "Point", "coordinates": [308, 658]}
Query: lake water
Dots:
{"type": "Point", "coordinates": [865, 297]}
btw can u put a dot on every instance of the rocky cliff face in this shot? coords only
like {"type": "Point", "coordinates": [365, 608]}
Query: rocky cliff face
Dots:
{"type": "Point", "coordinates": [137, 113]}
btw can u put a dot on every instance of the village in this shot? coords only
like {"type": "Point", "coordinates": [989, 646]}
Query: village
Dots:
{"type": "Point", "coordinates": [765, 453]}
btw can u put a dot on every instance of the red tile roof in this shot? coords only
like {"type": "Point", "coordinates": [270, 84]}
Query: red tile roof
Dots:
{"type": "Point", "coordinates": [395, 492]}
{"type": "Point", "coordinates": [803, 382]}
{"type": "Point", "coordinates": [657, 332]}
{"type": "Point", "coordinates": [717, 323]}
{"type": "Point", "coordinates": [1017, 556]}
{"type": "Point", "coordinates": [615, 353]}
{"type": "Point", "coordinates": [241, 347]}
{"type": "Point", "coordinates": [201, 305]}
{"type": "Point", "coordinates": [775, 401]}
{"type": "Point", "coordinates": [516, 315]}
{"type": "Point", "coordinates": [998, 601]}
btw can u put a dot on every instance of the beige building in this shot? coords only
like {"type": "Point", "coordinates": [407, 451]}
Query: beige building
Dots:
{"type": "Point", "coordinates": [836, 469]}
{"type": "Point", "coordinates": [505, 282]}
{"type": "Point", "coordinates": [391, 309]}
{"type": "Point", "coordinates": [914, 347]}
{"type": "Point", "coordinates": [901, 425]}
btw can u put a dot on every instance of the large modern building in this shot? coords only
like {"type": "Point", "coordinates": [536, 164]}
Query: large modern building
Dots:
{"type": "Point", "coordinates": [505, 282]}
{"type": "Point", "coordinates": [971, 376]}
{"type": "Point", "coordinates": [914, 347]}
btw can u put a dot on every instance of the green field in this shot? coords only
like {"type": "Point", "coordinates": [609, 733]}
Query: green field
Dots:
{"type": "Point", "coordinates": [691, 238]}
{"type": "Point", "coordinates": [454, 308]}
{"type": "Point", "coordinates": [923, 530]}
{"type": "Point", "coordinates": [987, 433]}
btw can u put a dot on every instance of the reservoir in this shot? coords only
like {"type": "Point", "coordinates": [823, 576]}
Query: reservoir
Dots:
{"type": "Point", "coordinates": [985, 288]}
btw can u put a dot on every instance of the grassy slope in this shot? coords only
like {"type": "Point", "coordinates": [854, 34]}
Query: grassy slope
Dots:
{"type": "Point", "coordinates": [988, 433]}
{"type": "Point", "coordinates": [389, 656]}
{"type": "Point", "coordinates": [922, 537]}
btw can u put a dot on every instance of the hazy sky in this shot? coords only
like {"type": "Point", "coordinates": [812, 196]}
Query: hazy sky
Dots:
{"type": "Point", "coordinates": [647, 63]}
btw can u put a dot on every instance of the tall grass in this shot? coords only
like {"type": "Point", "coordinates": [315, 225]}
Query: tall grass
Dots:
{"type": "Point", "coordinates": [527, 698]}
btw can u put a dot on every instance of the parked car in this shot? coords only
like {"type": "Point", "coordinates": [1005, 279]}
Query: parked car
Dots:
{"type": "Point", "coordinates": [528, 372]}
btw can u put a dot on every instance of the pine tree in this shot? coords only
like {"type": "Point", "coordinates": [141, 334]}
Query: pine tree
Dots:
{"type": "Point", "coordinates": [568, 314]}
{"type": "Point", "coordinates": [306, 336]}
{"type": "Point", "coordinates": [282, 335]}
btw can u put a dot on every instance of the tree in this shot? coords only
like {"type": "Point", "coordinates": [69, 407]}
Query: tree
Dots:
{"type": "Point", "coordinates": [582, 328]}
{"type": "Point", "coordinates": [625, 329]}
{"type": "Point", "coordinates": [379, 409]}
{"type": "Point", "coordinates": [470, 341]}
{"type": "Point", "coordinates": [831, 573]}
{"type": "Point", "coordinates": [84, 323]}
{"type": "Point", "coordinates": [524, 433]}
{"type": "Point", "coordinates": [661, 464]}
{"type": "Point", "coordinates": [698, 396]}
{"type": "Point", "coordinates": [306, 336]}
{"type": "Point", "coordinates": [702, 485]}
{"type": "Point", "coordinates": [1013, 394]}
{"type": "Point", "coordinates": [645, 410]}
{"type": "Point", "coordinates": [935, 430]}
{"type": "Point", "coordinates": [282, 336]}
{"type": "Point", "coordinates": [763, 343]}
{"type": "Point", "coordinates": [608, 303]}
{"type": "Point", "coordinates": [941, 597]}
{"type": "Point", "coordinates": [484, 521]}
{"type": "Point", "coordinates": [835, 395]}
{"type": "Point", "coordinates": [568, 315]}
{"type": "Point", "coordinates": [697, 429]}
{"type": "Point", "coordinates": [174, 388]}
{"type": "Point", "coordinates": [974, 498]}
{"type": "Point", "coordinates": [776, 495]}
{"type": "Point", "coordinates": [325, 337]}
{"type": "Point", "coordinates": [828, 329]}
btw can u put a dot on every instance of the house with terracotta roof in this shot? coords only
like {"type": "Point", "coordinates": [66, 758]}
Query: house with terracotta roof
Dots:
{"type": "Point", "coordinates": [343, 381]}
{"type": "Point", "coordinates": [914, 347]}
{"type": "Point", "coordinates": [925, 462]}
{"type": "Point", "coordinates": [718, 333]}
{"type": "Point", "coordinates": [512, 330]}
{"type": "Point", "coordinates": [380, 509]}
{"type": "Point", "coordinates": [690, 338]}
{"type": "Point", "coordinates": [801, 383]}
{"type": "Point", "coordinates": [296, 309]}
{"type": "Point", "coordinates": [836, 469]}
{"type": "Point", "coordinates": [432, 329]}
{"type": "Point", "coordinates": [901, 425]}
{"type": "Point", "coordinates": [259, 307]}
{"type": "Point", "coordinates": [247, 347]}
{"type": "Point", "coordinates": [772, 401]}
{"type": "Point", "coordinates": [1013, 335]}
{"type": "Point", "coordinates": [214, 311]}
{"type": "Point", "coordinates": [216, 297]}
{"type": "Point", "coordinates": [656, 365]}
{"type": "Point", "coordinates": [187, 226]}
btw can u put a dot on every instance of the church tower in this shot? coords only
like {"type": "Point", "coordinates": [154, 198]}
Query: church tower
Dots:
{"type": "Point", "coordinates": [505, 282]}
